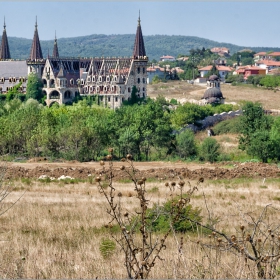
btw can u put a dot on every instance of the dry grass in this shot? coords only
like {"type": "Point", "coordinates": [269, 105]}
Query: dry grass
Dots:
{"type": "Point", "coordinates": [55, 230]}
{"type": "Point", "coordinates": [182, 91]}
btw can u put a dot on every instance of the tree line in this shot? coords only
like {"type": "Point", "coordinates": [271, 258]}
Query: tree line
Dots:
{"type": "Point", "coordinates": [85, 130]}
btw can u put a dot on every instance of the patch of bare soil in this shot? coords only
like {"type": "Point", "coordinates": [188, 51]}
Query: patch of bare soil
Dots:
{"type": "Point", "coordinates": [159, 170]}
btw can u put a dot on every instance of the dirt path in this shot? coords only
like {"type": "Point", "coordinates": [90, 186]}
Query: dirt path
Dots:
{"type": "Point", "coordinates": [159, 170]}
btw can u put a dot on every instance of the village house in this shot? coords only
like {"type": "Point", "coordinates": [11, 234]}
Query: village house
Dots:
{"type": "Point", "coordinates": [223, 71]}
{"type": "Point", "coordinates": [249, 70]}
{"type": "Point", "coordinates": [266, 56]}
{"type": "Point", "coordinates": [268, 65]}
{"type": "Point", "coordinates": [221, 51]}
{"type": "Point", "coordinates": [167, 58]}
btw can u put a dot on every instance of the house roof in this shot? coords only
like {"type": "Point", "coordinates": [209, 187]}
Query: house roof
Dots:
{"type": "Point", "coordinates": [219, 68]}
{"type": "Point", "coordinates": [260, 53]}
{"type": "Point", "coordinates": [269, 62]}
{"type": "Point", "coordinates": [167, 56]}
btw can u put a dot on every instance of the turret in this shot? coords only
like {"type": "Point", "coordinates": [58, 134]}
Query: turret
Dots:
{"type": "Point", "coordinates": [36, 51]}
{"type": "Point", "coordinates": [55, 48]}
{"type": "Point", "coordinates": [139, 47]}
{"type": "Point", "coordinates": [5, 51]}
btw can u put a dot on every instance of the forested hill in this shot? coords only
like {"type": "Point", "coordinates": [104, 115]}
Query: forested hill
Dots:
{"type": "Point", "coordinates": [121, 45]}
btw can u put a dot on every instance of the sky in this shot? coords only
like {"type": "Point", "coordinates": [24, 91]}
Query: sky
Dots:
{"type": "Point", "coordinates": [244, 23]}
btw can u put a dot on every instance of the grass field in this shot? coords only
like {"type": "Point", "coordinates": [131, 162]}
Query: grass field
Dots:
{"type": "Point", "coordinates": [182, 91]}
{"type": "Point", "coordinates": [55, 230]}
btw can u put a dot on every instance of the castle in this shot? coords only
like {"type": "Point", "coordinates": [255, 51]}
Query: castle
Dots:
{"type": "Point", "coordinates": [110, 79]}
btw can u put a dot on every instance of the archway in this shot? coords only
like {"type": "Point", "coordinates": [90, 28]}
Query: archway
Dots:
{"type": "Point", "coordinates": [67, 94]}
{"type": "Point", "coordinates": [54, 95]}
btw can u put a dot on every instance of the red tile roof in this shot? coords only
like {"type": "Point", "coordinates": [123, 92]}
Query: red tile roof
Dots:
{"type": "Point", "coordinates": [269, 62]}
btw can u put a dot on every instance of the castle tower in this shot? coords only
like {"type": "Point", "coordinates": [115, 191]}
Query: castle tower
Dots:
{"type": "Point", "coordinates": [5, 51]}
{"type": "Point", "coordinates": [36, 61]}
{"type": "Point", "coordinates": [55, 48]}
{"type": "Point", "coordinates": [140, 61]}
{"type": "Point", "coordinates": [139, 47]}
{"type": "Point", "coordinates": [36, 51]}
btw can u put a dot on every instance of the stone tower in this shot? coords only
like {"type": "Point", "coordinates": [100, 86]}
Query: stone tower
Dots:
{"type": "Point", "coordinates": [140, 62]}
{"type": "Point", "coordinates": [36, 61]}
{"type": "Point", "coordinates": [5, 51]}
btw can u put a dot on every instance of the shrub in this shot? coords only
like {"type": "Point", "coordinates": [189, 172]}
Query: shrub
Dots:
{"type": "Point", "coordinates": [186, 146]}
{"type": "Point", "coordinates": [159, 217]}
{"type": "Point", "coordinates": [228, 126]}
{"type": "Point", "coordinates": [210, 149]}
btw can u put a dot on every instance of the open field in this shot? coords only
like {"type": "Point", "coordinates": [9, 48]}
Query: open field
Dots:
{"type": "Point", "coordinates": [56, 228]}
{"type": "Point", "coordinates": [182, 91]}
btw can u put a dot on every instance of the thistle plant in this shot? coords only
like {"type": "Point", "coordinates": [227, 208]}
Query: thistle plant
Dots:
{"type": "Point", "coordinates": [140, 255]}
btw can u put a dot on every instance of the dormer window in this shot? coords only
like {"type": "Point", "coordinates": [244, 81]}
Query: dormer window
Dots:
{"type": "Point", "coordinates": [100, 78]}
{"type": "Point", "coordinates": [93, 79]}
{"type": "Point", "coordinates": [89, 79]}
{"type": "Point", "coordinates": [10, 80]}
{"type": "Point", "coordinates": [14, 79]}
{"type": "Point", "coordinates": [2, 80]}
{"type": "Point", "coordinates": [82, 82]}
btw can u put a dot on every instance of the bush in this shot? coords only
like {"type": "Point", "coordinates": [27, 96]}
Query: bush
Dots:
{"type": "Point", "coordinates": [186, 146]}
{"type": "Point", "coordinates": [228, 126]}
{"type": "Point", "coordinates": [210, 149]}
{"type": "Point", "coordinates": [159, 217]}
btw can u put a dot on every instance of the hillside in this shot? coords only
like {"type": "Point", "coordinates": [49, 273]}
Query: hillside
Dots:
{"type": "Point", "coordinates": [121, 45]}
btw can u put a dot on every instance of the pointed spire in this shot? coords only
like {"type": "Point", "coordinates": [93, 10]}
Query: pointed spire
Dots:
{"type": "Point", "coordinates": [139, 47]}
{"type": "Point", "coordinates": [5, 51]}
{"type": "Point", "coordinates": [55, 48]}
{"type": "Point", "coordinates": [36, 51]}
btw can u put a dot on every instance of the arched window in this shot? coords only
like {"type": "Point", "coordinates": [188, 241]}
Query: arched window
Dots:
{"type": "Point", "coordinates": [138, 81]}
{"type": "Point", "coordinates": [138, 70]}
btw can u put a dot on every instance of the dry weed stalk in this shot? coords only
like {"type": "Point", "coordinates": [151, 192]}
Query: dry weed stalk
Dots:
{"type": "Point", "coordinates": [140, 257]}
{"type": "Point", "coordinates": [256, 246]}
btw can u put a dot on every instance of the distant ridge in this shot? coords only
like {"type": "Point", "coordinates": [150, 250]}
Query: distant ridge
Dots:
{"type": "Point", "coordinates": [97, 45]}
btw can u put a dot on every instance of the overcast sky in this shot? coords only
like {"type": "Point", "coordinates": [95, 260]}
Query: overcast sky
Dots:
{"type": "Point", "coordinates": [246, 23]}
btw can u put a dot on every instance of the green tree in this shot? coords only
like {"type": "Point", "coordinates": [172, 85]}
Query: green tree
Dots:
{"type": "Point", "coordinates": [210, 149]}
{"type": "Point", "coordinates": [186, 146]}
{"type": "Point", "coordinates": [34, 87]}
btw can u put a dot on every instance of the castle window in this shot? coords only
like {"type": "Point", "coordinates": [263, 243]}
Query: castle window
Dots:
{"type": "Point", "coordinates": [72, 82]}
{"type": "Point", "coordinates": [138, 70]}
{"type": "Point", "coordinates": [14, 79]}
{"type": "Point", "coordinates": [143, 80]}
{"type": "Point", "coordinates": [144, 70]}
{"type": "Point", "coordinates": [10, 80]}
{"type": "Point", "coordinates": [82, 82]}
{"type": "Point", "coordinates": [93, 79]}
{"type": "Point", "coordinates": [100, 78]}
{"type": "Point", "coordinates": [108, 79]}
{"type": "Point", "coordinates": [128, 89]}
{"type": "Point", "coordinates": [2, 80]}
{"type": "Point", "coordinates": [143, 89]}
{"type": "Point", "coordinates": [116, 99]}
{"type": "Point", "coordinates": [138, 80]}
{"type": "Point", "coordinates": [88, 79]}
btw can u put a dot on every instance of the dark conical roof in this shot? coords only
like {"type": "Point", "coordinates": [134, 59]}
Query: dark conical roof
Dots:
{"type": "Point", "coordinates": [5, 51]}
{"type": "Point", "coordinates": [213, 92]}
{"type": "Point", "coordinates": [55, 48]}
{"type": "Point", "coordinates": [139, 47]}
{"type": "Point", "coordinates": [36, 51]}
